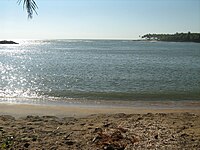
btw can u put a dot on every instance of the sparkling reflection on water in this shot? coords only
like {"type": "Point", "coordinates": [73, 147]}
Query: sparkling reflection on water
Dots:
{"type": "Point", "coordinates": [92, 69]}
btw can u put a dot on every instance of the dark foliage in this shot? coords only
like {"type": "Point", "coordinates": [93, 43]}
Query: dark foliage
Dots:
{"type": "Point", "coordinates": [30, 6]}
{"type": "Point", "coordinates": [178, 37]}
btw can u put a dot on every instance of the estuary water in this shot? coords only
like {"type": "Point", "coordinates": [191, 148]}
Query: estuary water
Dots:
{"type": "Point", "coordinates": [121, 70]}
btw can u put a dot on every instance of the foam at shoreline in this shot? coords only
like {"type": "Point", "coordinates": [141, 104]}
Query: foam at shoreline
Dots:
{"type": "Point", "coordinates": [147, 104]}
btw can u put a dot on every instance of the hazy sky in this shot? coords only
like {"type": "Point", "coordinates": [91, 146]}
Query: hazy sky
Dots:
{"type": "Point", "coordinates": [98, 19]}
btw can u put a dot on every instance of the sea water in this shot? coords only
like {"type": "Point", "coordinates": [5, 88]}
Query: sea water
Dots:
{"type": "Point", "coordinates": [99, 70]}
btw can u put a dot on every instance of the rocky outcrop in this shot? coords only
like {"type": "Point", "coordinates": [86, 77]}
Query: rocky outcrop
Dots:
{"type": "Point", "coordinates": [8, 42]}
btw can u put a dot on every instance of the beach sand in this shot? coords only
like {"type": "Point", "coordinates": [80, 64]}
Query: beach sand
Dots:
{"type": "Point", "coordinates": [112, 128]}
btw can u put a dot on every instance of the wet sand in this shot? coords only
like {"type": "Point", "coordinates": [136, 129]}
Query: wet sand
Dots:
{"type": "Point", "coordinates": [22, 110]}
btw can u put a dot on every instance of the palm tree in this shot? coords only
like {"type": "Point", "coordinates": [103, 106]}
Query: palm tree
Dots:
{"type": "Point", "coordinates": [30, 6]}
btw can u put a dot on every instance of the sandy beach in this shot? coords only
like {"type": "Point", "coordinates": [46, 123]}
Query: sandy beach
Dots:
{"type": "Point", "coordinates": [22, 110]}
{"type": "Point", "coordinates": [116, 128]}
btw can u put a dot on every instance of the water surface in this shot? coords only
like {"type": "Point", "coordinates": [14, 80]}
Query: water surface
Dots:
{"type": "Point", "coordinates": [121, 70]}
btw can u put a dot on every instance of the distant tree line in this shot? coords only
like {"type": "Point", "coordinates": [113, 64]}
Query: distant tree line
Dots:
{"type": "Point", "coordinates": [177, 37]}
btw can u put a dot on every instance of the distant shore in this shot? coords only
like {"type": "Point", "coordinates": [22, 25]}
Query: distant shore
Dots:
{"type": "Point", "coordinates": [177, 37]}
{"type": "Point", "coordinates": [8, 42]}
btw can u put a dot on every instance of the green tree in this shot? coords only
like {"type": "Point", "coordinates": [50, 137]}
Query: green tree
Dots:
{"type": "Point", "coordinates": [177, 37]}
{"type": "Point", "coordinates": [30, 6]}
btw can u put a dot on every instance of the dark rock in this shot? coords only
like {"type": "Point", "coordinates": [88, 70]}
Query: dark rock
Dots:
{"type": "Point", "coordinates": [8, 42]}
{"type": "Point", "coordinates": [1, 128]}
{"type": "Point", "coordinates": [98, 130]}
{"type": "Point", "coordinates": [26, 145]}
{"type": "Point", "coordinates": [113, 147]}
{"type": "Point", "coordinates": [184, 135]}
{"type": "Point", "coordinates": [109, 147]}
{"type": "Point", "coordinates": [156, 136]}
{"type": "Point", "coordinates": [139, 118]}
{"type": "Point", "coordinates": [69, 142]}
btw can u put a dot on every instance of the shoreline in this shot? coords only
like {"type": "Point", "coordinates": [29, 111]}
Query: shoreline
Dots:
{"type": "Point", "coordinates": [135, 103]}
{"type": "Point", "coordinates": [22, 110]}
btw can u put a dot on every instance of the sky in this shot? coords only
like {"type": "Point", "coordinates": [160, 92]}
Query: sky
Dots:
{"type": "Point", "coordinates": [98, 19]}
